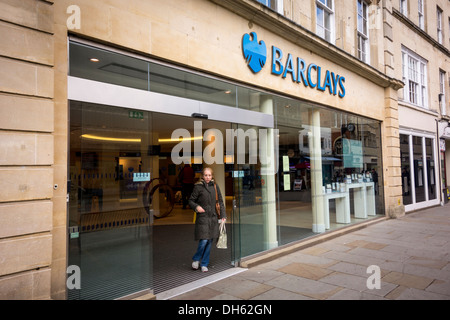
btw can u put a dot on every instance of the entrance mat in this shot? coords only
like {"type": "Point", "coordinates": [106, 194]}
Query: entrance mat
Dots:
{"type": "Point", "coordinates": [118, 262]}
{"type": "Point", "coordinates": [174, 246]}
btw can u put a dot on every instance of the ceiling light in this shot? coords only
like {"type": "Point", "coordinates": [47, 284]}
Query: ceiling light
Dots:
{"type": "Point", "coordinates": [95, 60]}
{"type": "Point", "coordinates": [180, 139]}
{"type": "Point", "coordinates": [94, 137]}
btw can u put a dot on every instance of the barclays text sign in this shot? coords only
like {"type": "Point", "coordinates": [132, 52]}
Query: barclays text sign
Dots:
{"type": "Point", "coordinates": [311, 75]}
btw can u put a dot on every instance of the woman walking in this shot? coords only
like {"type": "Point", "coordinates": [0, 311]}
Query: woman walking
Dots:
{"type": "Point", "coordinates": [203, 201]}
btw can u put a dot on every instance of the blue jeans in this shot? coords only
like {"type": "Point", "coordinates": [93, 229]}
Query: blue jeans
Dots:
{"type": "Point", "coordinates": [203, 251]}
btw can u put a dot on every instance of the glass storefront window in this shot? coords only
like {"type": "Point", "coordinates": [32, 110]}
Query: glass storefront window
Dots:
{"type": "Point", "coordinates": [317, 169]}
{"type": "Point", "coordinates": [105, 66]}
{"type": "Point", "coordinates": [250, 99]}
{"type": "Point", "coordinates": [254, 193]}
{"type": "Point", "coordinates": [327, 159]}
{"type": "Point", "coordinates": [419, 184]}
{"type": "Point", "coordinates": [108, 166]}
{"type": "Point", "coordinates": [419, 168]}
{"type": "Point", "coordinates": [180, 83]}
{"type": "Point", "coordinates": [406, 171]}
{"type": "Point", "coordinates": [295, 217]}
{"type": "Point", "coordinates": [431, 169]}
{"type": "Point", "coordinates": [110, 67]}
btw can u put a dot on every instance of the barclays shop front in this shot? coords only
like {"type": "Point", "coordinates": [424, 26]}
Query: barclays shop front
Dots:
{"type": "Point", "coordinates": [288, 169]}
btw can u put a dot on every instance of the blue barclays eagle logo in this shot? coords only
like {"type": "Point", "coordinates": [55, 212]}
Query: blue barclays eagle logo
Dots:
{"type": "Point", "coordinates": [255, 53]}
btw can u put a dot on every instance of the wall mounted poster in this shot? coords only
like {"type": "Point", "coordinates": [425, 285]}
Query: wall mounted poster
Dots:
{"type": "Point", "coordinates": [352, 153]}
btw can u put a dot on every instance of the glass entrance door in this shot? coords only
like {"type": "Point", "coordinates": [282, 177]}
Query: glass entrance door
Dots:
{"type": "Point", "coordinates": [109, 229]}
{"type": "Point", "coordinates": [182, 145]}
{"type": "Point", "coordinates": [419, 172]}
{"type": "Point", "coordinates": [131, 228]}
{"type": "Point", "coordinates": [252, 168]}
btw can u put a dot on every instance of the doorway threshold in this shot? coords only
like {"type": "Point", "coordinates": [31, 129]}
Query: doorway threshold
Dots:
{"type": "Point", "coordinates": [166, 295]}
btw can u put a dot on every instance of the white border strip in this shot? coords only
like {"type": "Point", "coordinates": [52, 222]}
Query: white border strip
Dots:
{"type": "Point", "coordinates": [199, 283]}
{"type": "Point", "coordinates": [109, 94]}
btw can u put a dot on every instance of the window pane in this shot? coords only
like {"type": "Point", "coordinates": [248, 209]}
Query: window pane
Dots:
{"type": "Point", "coordinates": [431, 169]}
{"type": "Point", "coordinates": [327, 3]}
{"type": "Point", "coordinates": [350, 163]}
{"type": "Point", "coordinates": [105, 66]}
{"type": "Point", "coordinates": [422, 73]}
{"type": "Point", "coordinates": [360, 24]}
{"type": "Point", "coordinates": [327, 21]}
{"type": "Point", "coordinates": [320, 22]}
{"type": "Point", "coordinates": [418, 169]}
{"type": "Point", "coordinates": [188, 85]}
{"type": "Point", "coordinates": [424, 92]}
{"type": "Point", "coordinates": [273, 4]}
{"type": "Point", "coordinates": [113, 248]}
{"type": "Point", "coordinates": [365, 25]}
{"type": "Point", "coordinates": [327, 26]}
{"type": "Point", "coordinates": [406, 172]}
{"type": "Point", "coordinates": [320, 17]}
{"type": "Point", "coordinates": [359, 47]}
{"type": "Point", "coordinates": [294, 175]}
{"type": "Point", "coordinates": [412, 92]}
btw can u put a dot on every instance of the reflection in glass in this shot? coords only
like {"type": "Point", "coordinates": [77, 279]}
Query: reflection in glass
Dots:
{"type": "Point", "coordinates": [431, 169]}
{"type": "Point", "coordinates": [119, 69]}
{"type": "Point", "coordinates": [108, 165]}
{"type": "Point", "coordinates": [105, 66]}
{"type": "Point", "coordinates": [180, 83]}
{"type": "Point", "coordinates": [254, 191]}
{"type": "Point", "coordinates": [406, 172]}
{"type": "Point", "coordinates": [419, 175]}
{"type": "Point", "coordinates": [295, 218]}
{"type": "Point", "coordinates": [249, 99]}
{"type": "Point", "coordinates": [345, 150]}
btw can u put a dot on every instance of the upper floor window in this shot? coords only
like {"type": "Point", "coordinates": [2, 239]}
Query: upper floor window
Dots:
{"type": "Point", "coordinates": [404, 7]}
{"type": "Point", "coordinates": [276, 5]}
{"type": "Point", "coordinates": [325, 19]}
{"type": "Point", "coordinates": [421, 15]}
{"type": "Point", "coordinates": [363, 31]}
{"type": "Point", "coordinates": [415, 78]}
{"type": "Point", "coordinates": [439, 24]}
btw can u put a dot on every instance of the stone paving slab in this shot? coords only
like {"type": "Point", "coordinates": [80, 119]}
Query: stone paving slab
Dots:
{"type": "Point", "coordinates": [349, 294]}
{"type": "Point", "coordinates": [407, 280]}
{"type": "Point", "coordinates": [305, 271]}
{"type": "Point", "coordinates": [412, 255]}
{"type": "Point", "coordinates": [303, 286]}
{"type": "Point", "coordinates": [281, 294]}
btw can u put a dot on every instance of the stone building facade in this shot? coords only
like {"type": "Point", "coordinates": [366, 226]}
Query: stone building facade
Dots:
{"type": "Point", "coordinates": [371, 45]}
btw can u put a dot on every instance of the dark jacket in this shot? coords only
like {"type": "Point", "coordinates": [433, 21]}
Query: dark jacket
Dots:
{"type": "Point", "coordinates": [206, 223]}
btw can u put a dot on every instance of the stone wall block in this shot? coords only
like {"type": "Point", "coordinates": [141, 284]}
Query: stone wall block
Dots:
{"type": "Point", "coordinates": [17, 148]}
{"type": "Point", "coordinates": [26, 286]}
{"type": "Point", "coordinates": [25, 183]}
{"type": "Point", "coordinates": [26, 113]}
{"type": "Point", "coordinates": [25, 253]}
{"type": "Point", "coordinates": [23, 218]}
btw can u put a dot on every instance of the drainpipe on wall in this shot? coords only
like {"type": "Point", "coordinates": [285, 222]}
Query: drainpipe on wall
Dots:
{"type": "Point", "coordinates": [440, 132]}
{"type": "Point", "coordinates": [439, 157]}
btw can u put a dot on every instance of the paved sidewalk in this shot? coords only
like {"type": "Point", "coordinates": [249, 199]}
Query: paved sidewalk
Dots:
{"type": "Point", "coordinates": [412, 253]}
